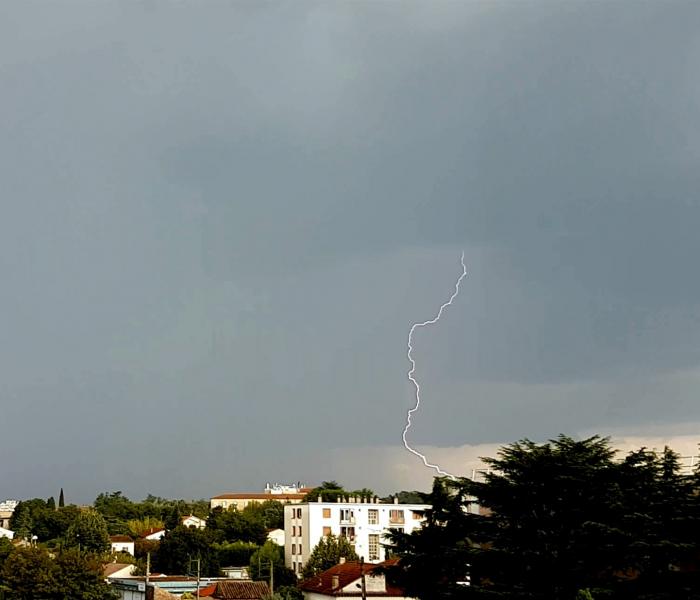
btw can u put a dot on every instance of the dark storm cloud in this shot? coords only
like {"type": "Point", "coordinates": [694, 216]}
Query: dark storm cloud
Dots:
{"type": "Point", "coordinates": [219, 221]}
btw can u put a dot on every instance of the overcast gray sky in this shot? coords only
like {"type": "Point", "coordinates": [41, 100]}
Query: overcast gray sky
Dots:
{"type": "Point", "coordinates": [219, 220]}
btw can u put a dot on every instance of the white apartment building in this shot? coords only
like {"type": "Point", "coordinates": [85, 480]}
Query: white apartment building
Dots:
{"type": "Point", "coordinates": [364, 524]}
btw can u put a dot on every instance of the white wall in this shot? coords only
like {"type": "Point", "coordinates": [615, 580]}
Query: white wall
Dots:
{"type": "Point", "coordinates": [312, 523]}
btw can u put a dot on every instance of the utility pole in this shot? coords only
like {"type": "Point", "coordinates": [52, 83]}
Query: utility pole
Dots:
{"type": "Point", "coordinates": [198, 574]}
{"type": "Point", "coordinates": [362, 577]}
{"type": "Point", "coordinates": [148, 568]}
{"type": "Point", "coordinates": [198, 561]}
{"type": "Point", "coordinates": [272, 579]}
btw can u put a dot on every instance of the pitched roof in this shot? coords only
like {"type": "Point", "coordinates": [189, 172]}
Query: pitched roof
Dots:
{"type": "Point", "coordinates": [151, 531]}
{"type": "Point", "coordinates": [120, 538]}
{"type": "Point", "coordinates": [346, 574]}
{"type": "Point", "coordinates": [112, 568]}
{"type": "Point", "coordinates": [241, 590]}
{"type": "Point", "coordinates": [259, 496]}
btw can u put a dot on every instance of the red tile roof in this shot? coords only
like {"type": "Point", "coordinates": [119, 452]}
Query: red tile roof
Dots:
{"type": "Point", "coordinates": [241, 590]}
{"type": "Point", "coordinates": [347, 573]}
{"type": "Point", "coordinates": [120, 538]}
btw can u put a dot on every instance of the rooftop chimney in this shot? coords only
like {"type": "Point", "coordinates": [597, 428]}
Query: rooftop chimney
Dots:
{"type": "Point", "coordinates": [396, 499]}
{"type": "Point", "coordinates": [336, 581]}
{"type": "Point", "coordinates": [342, 560]}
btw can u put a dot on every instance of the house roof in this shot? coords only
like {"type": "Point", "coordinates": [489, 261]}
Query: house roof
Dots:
{"type": "Point", "coordinates": [120, 538]}
{"type": "Point", "coordinates": [112, 568]}
{"type": "Point", "coordinates": [347, 573]}
{"type": "Point", "coordinates": [151, 531]}
{"type": "Point", "coordinates": [258, 496]}
{"type": "Point", "coordinates": [241, 590]}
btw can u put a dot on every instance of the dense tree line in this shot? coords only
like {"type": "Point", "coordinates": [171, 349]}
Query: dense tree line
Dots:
{"type": "Point", "coordinates": [562, 520]}
{"type": "Point", "coordinates": [29, 573]}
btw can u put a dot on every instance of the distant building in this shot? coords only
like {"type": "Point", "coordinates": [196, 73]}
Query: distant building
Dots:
{"type": "Point", "coordinates": [6, 533]}
{"type": "Point", "coordinates": [116, 570]}
{"type": "Point", "coordinates": [281, 488]}
{"type": "Point", "coordinates": [235, 572]}
{"type": "Point", "coordinates": [134, 588]}
{"type": "Point", "coordinates": [277, 536]}
{"type": "Point", "coordinates": [363, 524]}
{"type": "Point", "coordinates": [192, 521]}
{"type": "Point", "coordinates": [153, 534]}
{"type": "Point", "coordinates": [345, 580]}
{"type": "Point", "coordinates": [122, 543]}
{"type": "Point", "coordinates": [7, 507]}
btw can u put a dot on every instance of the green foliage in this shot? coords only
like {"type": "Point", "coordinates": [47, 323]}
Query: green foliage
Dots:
{"type": "Point", "coordinates": [61, 500]}
{"type": "Point", "coordinates": [136, 527]}
{"type": "Point", "coordinates": [565, 518]}
{"type": "Point", "coordinates": [21, 521]}
{"type": "Point", "coordinates": [330, 491]}
{"type": "Point", "coordinates": [51, 503]}
{"type": "Point", "coordinates": [234, 554]}
{"type": "Point", "coordinates": [404, 497]}
{"type": "Point", "coordinates": [88, 532]}
{"type": "Point", "coordinates": [233, 525]}
{"type": "Point", "coordinates": [270, 556]}
{"type": "Point", "coordinates": [117, 510]}
{"type": "Point", "coordinates": [584, 595]}
{"type": "Point", "coordinates": [179, 546]}
{"type": "Point", "coordinates": [328, 553]}
{"type": "Point", "coordinates": [288, 592]}
{"type": "Point", "coordinates": [6, 548]}
{"type": "Point", "coordinates": [269, 514]}
{"type": "Point", "coordinates": [32, 574]}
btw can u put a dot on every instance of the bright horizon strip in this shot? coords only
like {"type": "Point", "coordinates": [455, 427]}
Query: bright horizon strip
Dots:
{"type": "Point", "coordinates": [412, 370]}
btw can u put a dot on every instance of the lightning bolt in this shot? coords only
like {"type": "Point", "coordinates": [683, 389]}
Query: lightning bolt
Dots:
{"type": "Point", "coordinates": [411, 372]}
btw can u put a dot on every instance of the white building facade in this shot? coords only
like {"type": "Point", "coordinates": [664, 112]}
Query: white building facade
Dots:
{"type": "Point", "coordinates": [363, 524]}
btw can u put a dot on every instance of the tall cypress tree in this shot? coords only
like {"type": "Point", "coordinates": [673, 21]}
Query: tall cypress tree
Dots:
{"type": "Point", "coordinates": [61, 501]}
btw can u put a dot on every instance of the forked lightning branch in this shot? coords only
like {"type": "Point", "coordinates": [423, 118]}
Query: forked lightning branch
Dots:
{"type": "Point", "coordinates": [412, 371]}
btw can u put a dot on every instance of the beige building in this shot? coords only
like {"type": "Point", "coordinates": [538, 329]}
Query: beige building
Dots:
{"type": "Point", "coordinates": [240, 500]}
{"type": "Point", "coordinates": [6, 509]}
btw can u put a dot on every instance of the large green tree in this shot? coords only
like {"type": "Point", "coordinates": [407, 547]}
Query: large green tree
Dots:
{"type": "Point", "coordinates": [32, 574]}
{"type": "Point", "coordinates": [233, 525]}
{"type": "Point", "coordinates": [183, 545]}
{"type": "Point", "coordinates": [88, 532]}
{"type": "Point", "coordinates": [558, 519]}
{"type": "Point", "coordinates": [327, 553]}
{"type": "Point", "coordinates": [270, 558]}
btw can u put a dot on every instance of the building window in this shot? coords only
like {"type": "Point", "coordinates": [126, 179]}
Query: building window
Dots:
{"type": "Point", "coordinates": [417, 516]}
{"type": "Point", "coordinates": [294, 548]}
{"type": "Point", "coordinates": [300, 552]}
{"type": "Point", "coordinates": [298, 513]}
{"type": "Point", "coordinates": [299, 534]}
{"type": "Point", "coordinates": [373, 546]}
{"type": "Point", "coordinates": [373, 516]}
{"type": "Point", "coordinates": [347, 515]}
{"type": "Point", "coordinates": [396, 516]}
{"type": "Point", "coordinates": [326, 513]}
{"type": "Point", "coordinates": [348, 533]}
{"type": "Point", "coordinates": [326, 531]}
{"type": "Point", "coordinates": [294, 530]}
